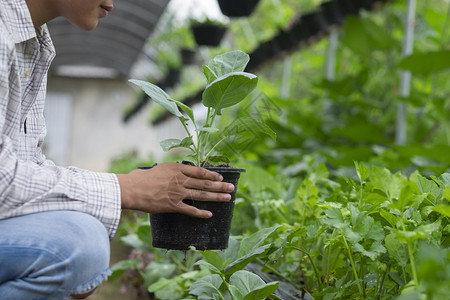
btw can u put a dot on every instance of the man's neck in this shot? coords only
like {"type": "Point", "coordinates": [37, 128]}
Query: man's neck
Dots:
{"type": "Point", "coordinates": [41, 11]}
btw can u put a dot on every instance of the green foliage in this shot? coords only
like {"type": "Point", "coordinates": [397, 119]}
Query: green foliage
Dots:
{"type": "Point", "coordinates": [334, 208]}
{"type": "Point", "coordinates": [378, 236]}
{"type": "Point", "coordinates": [357, 239]}
{"type": "Point", "coordinates": [227, 86]}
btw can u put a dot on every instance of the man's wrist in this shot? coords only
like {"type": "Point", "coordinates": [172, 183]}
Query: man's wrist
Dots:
{"type": "Point", "coordinates": [123, 183]}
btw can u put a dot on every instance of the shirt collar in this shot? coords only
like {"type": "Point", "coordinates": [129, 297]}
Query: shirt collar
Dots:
{"type": "Point", "coordinates": [22, 24]}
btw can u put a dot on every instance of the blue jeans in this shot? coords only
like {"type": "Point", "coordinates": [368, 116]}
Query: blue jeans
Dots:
{"type": "Point", "coordinates": [51, 255]}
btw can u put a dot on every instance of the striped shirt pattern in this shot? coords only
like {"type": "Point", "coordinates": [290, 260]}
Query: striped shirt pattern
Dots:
{"type": "Point", "coordinates": [30, 183]}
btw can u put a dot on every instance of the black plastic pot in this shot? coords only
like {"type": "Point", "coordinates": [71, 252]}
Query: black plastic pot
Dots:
{"type": "Point", "coordinates": [208, 34]}
{"type": "Point", "coordinates": [347, 7]}
{"type": "Point", "coordinates": [187, 56]}
{"type": "Point", "coordinates": [284, 42]}
{"type": "Point", "coordinates": [237, 8]}
{"type": "Point", "coordinates": [364, 4]}
{"type": "Point", "coordinates": [331, 13]}
{"type": "Point", "coordinates": [178, 231]}
{"type": "Point", "coordinates": [171, 79]}
{"type": "Point", "coordinates": [310, 27]}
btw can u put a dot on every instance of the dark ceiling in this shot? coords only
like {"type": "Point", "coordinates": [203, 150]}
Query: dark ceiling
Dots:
{"type": "Point", "coordinates": [113, 47]}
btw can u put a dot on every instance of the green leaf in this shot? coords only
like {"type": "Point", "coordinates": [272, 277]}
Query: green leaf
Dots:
{"type": "Point", "coordinates": [144, 234]}
{"type": "Point", "coordinates": [241, 262]}
{"type": "Point", "coordinates": [426, 63]}
{"type": "Point", "coordinates": [446, 193]}
{"type": "Point", "coordinates": [236, 294]}
{"type": "Point", "coordinates": [208, 129]}
{"type": "Point", "coordinates": [209, 74]}
{"type": "Point", "coordinates": [206, 287]}
{"type": "Point", "coordinates": [120, 267]}
{"type": "Point", "coordinates": [445, 178]}
{"type": "Point", "coordinates": [255, 240]}
{"type": "Point", "coordinates": [443, 209]}
{"type": "Point", "coordinates": [362, 171]}
{"type": "Point", "coordinates": [374, 251]}
{"type": "Point", "coordinates": [231, 253]}
{"type": "Point", "coordinates": [390, 184]}
{"type": "Point", "coordinates": [233, 61]}
{"type": "Point", "coordinates": [363, 36]}
{"type": "Point", "coordinates": [246, 281]}
{"type": "Point", "coordinates": [334, 218]}
{"type": "Point", "coordinates": [392, 220]}
{"type": "Point", "coordinates": [174, 143]}
{"type": "Point", "coordinates": [214, 258]}
{"type": "Point", "coordinates": [246, 124]}
{"type": "Point", "coordinates": [160, 284]}
{"type": "Point", "coordinates": [396, 278]}
{"type": "Point", "coordinates": [211, 267]}
{"type": "Point", "coordinates": [228, 90]}
{"type": "Point", "coordinates": [158, 95]}
{"type": "Point", "coordinates": [154, 271]}
{"type": "Point", "coordinates": [429, 186]}
{"type": "Point", "coordinates": [396, 249]}
{"type": "Point", "coordinates": [420, 232]}
{"type": "Point", "coordinates": [262, 292]}
{"type": "Point", "coordinates": [184, 108]}
{"type": "Point", "coordinates": [134, 241]}
{"type": "Point", "coordinates": [218, 159]}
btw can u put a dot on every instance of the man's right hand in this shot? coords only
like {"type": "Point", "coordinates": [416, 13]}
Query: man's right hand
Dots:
{"type": "Point", "coordinates": [164, 187]}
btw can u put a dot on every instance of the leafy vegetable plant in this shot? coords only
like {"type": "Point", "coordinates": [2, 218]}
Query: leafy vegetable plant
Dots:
{"type": "Point", "coordinates": [227, 85]}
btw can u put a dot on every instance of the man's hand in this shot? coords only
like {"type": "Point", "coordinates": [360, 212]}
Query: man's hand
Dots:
{"type": "Point", "coordinates": [164, 187]}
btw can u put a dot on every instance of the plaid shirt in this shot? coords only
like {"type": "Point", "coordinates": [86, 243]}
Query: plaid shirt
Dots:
{"type": "Point", "coordinates": [28, 182]}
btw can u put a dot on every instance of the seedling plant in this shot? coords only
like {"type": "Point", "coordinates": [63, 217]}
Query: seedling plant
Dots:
{"type": "Point", "coordinates": [227, 85]}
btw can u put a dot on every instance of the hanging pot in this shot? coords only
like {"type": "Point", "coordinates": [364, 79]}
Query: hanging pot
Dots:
{"type": "Point", "coordinates": [179, 232]}
{"type": "Point", "coordinates": [310, 27]}
{"type": "Point", "coordinates": [208, 34]}
{"type": "Point", "coordinates": [364, 4]}
{"type": "Point", "coordinates": [237, 8]}
{"type": "Point", "coordinates": [187, 56]}
{"type": "Point", "coordinates": [331, 13]}
{"type": "Point", "coordinates": [347, 7]}
{"type": "Point", "coordinates": [284, 41]}
{"type": "Point", "coordinates": [172, 78]}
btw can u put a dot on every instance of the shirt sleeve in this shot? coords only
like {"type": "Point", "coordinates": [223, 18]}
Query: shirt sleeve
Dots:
{"type": "Point", "coordinates": [30, 186]}
{"type": "Point", "coordinates": [26, 187]}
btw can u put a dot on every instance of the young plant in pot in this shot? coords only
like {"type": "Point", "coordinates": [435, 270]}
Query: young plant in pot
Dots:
{"type": "Point", "coordinates": [227, 85]}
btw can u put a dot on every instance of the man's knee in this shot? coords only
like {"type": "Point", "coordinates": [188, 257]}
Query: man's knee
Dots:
{"type": "Point", "coordinates": [65, 253]}
{"type": "Point", "coordinates": [89, 258]}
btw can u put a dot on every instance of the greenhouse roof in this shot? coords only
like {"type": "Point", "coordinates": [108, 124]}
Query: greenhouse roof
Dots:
{"type": "Point", "coordinates": [112, 48]}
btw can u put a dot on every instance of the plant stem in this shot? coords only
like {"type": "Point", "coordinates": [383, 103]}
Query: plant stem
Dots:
{"type": "Point", "coordinates": [361, 270]}
{"type": "Point", "coordinates": [195, 149]}
{"type": "Point", "coordinates": [412, 261]}
{"type": "Point", "coordinates": [333, 265]}
{"type": "Point", "coordinates": [413, 264]}
{"type": "Point", "coordinates": [380, 290]}
{"type": "Point", "coordinates": [319, 286]}
{"type": "Point", "coordinates": [202, 138]}
{"type": "Point", "coordinates": [355, 274]}
{"type": "Point", "coordinates": [214, 147]}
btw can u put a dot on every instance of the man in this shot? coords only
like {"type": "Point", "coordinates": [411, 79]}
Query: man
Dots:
{"type": "Point", "coordinates": [56, 222]}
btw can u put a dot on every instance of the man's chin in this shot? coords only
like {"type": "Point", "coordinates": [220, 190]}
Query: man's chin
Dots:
{"type": "Point", "coordinates": [88, 26]}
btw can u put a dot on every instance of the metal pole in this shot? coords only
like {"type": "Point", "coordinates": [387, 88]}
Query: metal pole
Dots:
{"type": "Point", "coordinates": [405, 79]}
{"type": "Point", "coordinates": [285, 91]}
{"type": "Point", "coordinates": [330, 72]}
